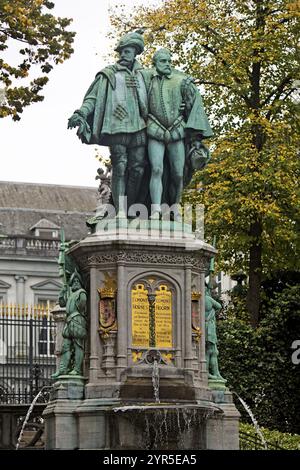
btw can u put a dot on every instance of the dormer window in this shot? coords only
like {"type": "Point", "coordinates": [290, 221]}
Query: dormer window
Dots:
{"type": "Point", "coordinates": [44, 228]}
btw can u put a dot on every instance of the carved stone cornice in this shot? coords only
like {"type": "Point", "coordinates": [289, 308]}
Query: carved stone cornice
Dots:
{"type": "Point", "coordinates": [200, 261]}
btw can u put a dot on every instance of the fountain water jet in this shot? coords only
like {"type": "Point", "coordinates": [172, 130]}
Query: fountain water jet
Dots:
{"type": "Point", "coordinates": [155, 380]}
{"type": "Point", "coordinates": [255, 423]}
{"type": "Point", "coordinates": [29, 413]}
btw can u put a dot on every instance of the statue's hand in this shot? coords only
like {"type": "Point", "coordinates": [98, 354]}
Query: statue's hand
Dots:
{"type": "Point", "coordinates": [75, 121]}
{"type": "Point", "coordinates": [84, 131]}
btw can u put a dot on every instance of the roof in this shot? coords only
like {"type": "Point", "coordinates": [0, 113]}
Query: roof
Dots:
{"type": "Point", "coordinates": [26, 205]}
{"type": "Point", "coordinates": [47, 196]}
{"type": "Point", "coordinates": [44, 223]}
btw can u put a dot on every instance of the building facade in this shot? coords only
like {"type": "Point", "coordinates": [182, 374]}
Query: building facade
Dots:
{"type": "Point", "coordinates": [31, 216]}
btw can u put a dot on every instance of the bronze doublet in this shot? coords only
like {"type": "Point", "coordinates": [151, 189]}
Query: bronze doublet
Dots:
{"type": "Point", "coordinates": [166, 121]}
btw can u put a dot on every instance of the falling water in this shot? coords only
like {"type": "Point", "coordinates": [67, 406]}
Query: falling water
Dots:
{"type": "Point", "coordinates": [255, 423]}
{"type": "Point", "coordinates": [28, 415]}
{"type": "Point", "coordinates": [180, 430]}
{"type": "Point", "coordinates": [155, 380]}
{"type": "Point", "coordinates": [167, 424]}
{"type": "Point", "coordinates": [147, 432]}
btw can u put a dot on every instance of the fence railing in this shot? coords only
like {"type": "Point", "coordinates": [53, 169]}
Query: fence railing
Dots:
{"type": "Point", "coordinates": [27, 245]}
{"type": "Point", "coordinates": [253, 442]}
{"type": "Point", "coordinates": [27, 345]}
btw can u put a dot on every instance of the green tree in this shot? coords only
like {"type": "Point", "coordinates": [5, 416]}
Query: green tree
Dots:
{"type": "Point", "coordinates": [258, 363]}
{"type": "Point", "coordinates": [244, 52]}
{"type": "Point", "coordinates": [36, 41]}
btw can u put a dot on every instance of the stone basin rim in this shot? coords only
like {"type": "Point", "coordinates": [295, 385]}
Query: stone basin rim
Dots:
{"type": "Point", "coordinates": [167, 406]}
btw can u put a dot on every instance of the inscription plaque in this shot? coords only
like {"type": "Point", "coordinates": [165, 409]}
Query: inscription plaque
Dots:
{"type": "Point", "coordinates": [143, 313]}
{"type": "Point", "coordinates": [163, 317]}
{"type": "Point", "coordinates": [140, 316]}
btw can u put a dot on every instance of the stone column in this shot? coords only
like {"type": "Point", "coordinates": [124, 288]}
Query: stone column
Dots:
{"type": "Point", "coordinates": [203, 370]}
{"type": "Point", "coordinates": [188, 360]}
{"type": "Point", "coordinates": [20, 284]}
{"type": "Point", "coordinates": [108, 361]}
{"type": "Point", "coordinates": [94, 325]}
{"type": "Point", "coordinates": [122, 320]}
{"type": "Point", "coordinates": [59, 316]}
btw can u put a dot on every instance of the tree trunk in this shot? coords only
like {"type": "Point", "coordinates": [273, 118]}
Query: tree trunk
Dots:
{"type": "Point", "coordinates": [255, 274]}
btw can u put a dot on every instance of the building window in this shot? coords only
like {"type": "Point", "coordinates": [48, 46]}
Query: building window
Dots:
{"type": "Point", "coordinates": [45, 229]}
{"type": "Point", "coordinates": [46, 233]}
{"type": "Point", "coordinates": [4, 287]}
{"type": "Point", "coordinates": [46, 344]}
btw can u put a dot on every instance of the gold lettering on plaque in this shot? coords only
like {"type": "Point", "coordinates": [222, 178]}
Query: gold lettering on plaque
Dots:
{"type": "Point", "coordinates": [140, 316]}
{"type": "Point", "coordinates": [163, 317]}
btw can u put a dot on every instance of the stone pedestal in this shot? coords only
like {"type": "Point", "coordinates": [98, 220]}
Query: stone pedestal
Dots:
{"type": "Point", "coordinates": [217, 384]}
{"type": "Point", "coordinates": [222, 430]}
{"type": "Point", "coordinates": [60, 419]}
{"type": "Point", "coordinates": [142, 332]}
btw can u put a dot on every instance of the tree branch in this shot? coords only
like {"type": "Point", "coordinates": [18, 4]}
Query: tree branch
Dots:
{"type": "Point", "coordinates": [225, 63]}
{"type": "Point", "coordinates": [272, 112]}
{"type": "Point", "coordinates": [204, 82]}
{"type": "Point", "coordinates": [277, 92]}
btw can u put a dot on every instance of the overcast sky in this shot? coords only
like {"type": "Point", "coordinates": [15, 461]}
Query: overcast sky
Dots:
{"type": "Point", "coordinates": [39, 148]}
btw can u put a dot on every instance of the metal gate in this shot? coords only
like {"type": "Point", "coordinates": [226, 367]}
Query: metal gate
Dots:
{"type": "Point", "coordinates": [27, 345]}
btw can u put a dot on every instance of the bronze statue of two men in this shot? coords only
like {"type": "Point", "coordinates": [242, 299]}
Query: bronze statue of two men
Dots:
{"type": "Point", "coordinates": [152, 120]}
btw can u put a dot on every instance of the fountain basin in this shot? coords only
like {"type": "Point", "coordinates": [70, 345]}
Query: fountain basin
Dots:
{"type": "Point", "coordinates": [151, 426]}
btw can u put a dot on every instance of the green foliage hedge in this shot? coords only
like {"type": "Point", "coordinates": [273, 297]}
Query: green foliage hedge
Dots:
{"type": "Point", "coordinates": [258, 365]}
{"type": "Point", "coordinates": [285, 440]}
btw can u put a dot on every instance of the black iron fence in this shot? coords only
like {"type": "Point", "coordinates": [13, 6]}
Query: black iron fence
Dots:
{"type": "Point", "coordinates": [253, 442]}
{"type": "Point", "coordinates": [27, 344]}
